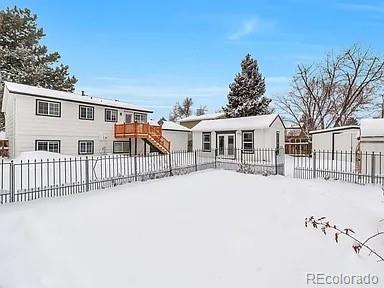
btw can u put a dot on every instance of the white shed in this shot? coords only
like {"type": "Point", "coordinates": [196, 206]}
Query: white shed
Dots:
{"type": "Point", "coordinates": [343, 138]}
{"type": "Point", "coordinates": [372, 135]}
{"type": "Point", "coordinates": [246, 133]}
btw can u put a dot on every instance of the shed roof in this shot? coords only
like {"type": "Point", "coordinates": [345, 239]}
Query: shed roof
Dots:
{"type": "Point", "coordinates": [242, 123]}
{"type": "Point", "coordinates": [335, 129]}
{"type": "Point", "coordinates": [62, 95]}
{"type": "Point", "coordinates": [372, 127]}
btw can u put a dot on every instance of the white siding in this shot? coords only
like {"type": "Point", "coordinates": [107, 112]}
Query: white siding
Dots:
{"type": "Point", "coordinates": [179, 139]}
{"type": "Point", "coordinates": [372, 144]}
{"type": "Point", "coordinates": [344, 140]}
{"type": "Point", "coordinates": [270, 135]}
{"type": "Point", "coordinates": [68, 128]}
{"type": "Point", "coordinates": [9, 103]}
{"type": "Point", "coordinates": [263, 138]}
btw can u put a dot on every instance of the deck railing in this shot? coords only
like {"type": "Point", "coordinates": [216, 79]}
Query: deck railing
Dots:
{"type": "Point", "coordinates": [142, 130]}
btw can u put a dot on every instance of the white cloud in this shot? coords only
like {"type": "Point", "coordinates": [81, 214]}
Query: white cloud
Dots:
{"type": "Point", "coordinates": [359, 7]}
{"type": "Point", "coordinates": [250, 26]}
{"type": "Point", "coordinates": [154, 90]}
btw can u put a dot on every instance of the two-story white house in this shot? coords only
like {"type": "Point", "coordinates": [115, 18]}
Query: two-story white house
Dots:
{"type": "Point", "coordinates": [68, 123]}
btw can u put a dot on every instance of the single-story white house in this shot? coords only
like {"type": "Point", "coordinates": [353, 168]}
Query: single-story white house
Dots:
{"type": "Point", "coordinates": [245, 133]}
{"type": "Point", "coordinates": [193, 120]}
{"type": "Point", "coordinates": [344, 138]}
{"type": "Point", "coordinates": [372, 135]}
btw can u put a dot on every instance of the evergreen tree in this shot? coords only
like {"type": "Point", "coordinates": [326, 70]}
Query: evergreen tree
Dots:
{"type": "Point", "coordinates": [246, 95]}
{"type": "Point", "coordinates": [23, 59]}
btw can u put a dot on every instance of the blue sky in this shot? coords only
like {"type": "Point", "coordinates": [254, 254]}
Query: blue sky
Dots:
{"type": "Point", "coordinates": [154, 53]}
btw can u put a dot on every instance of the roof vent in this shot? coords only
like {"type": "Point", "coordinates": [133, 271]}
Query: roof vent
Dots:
{"type": "Point", "coordinates": [83, 93]}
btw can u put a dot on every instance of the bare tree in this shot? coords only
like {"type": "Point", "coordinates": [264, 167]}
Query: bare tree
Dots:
{"type": "Point", "coordinates": [181, 111]}
{"type": "Point", "coordinates": [333, 92]}
{"type": "Point", "coordinates": [201, 110]}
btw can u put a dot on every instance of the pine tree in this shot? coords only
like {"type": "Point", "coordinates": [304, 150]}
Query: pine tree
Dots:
{"type": "Point", "coordinates": [246, 95]}
{"type": "Point", "coordinates": [23, 59]}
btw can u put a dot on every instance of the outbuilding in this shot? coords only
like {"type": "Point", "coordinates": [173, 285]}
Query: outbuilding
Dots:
{"type": "Point", "coordinates": [344, 138]}
{"type": "Point", "coordinates": [372, 135]}
{"type": "Point", "coordinates": [244, 134]}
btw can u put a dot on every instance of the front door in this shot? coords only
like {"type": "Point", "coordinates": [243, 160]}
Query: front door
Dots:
{"type": "Point", "coordinates": [226, 145]}
{"type": "Point", "coordinates": [128, 118]}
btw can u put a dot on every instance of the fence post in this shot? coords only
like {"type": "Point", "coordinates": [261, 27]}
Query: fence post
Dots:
{"type": "Point", "coordinates": [170, 163]}
{"type": "Point", "coordinates": [314, 164]}
{"type": "Point", "coordinates": [11, 181]}
{"type": "Point", "coordinates": [86, 173]}
{"type": "Point", "coordinates": [276, 157]}
{"type": "Point", "coordinates": [195, 160]}
{"type": "Point", "coordinates": [215, 158]}
{"type": "Point", "coordinates": [135, 164]}
{"type": "Point", "coordinates": [373, 168]}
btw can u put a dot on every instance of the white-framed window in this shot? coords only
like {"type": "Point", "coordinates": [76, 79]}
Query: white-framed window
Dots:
{"type": "Point", "coordinates": [86, 112]}
{"type": "Point", "coordinates": [110, 115]}
{"type": "Point", "coordinates": [206, 142]}
{"type": "Point", "coordinates": [48, 145]}
{"type": "Point", "coordinates": [48, 108]}
{"type": "Point", "coordinates": [86, 147]}
{"type": "Point", "coordinates": [140, 117]}
{"type": "Point", "coordinates": [128, 117]}
{"type": "Point", "coordinates": [121, 147]}
{"type": "Point", "coordinates": [248, 141]}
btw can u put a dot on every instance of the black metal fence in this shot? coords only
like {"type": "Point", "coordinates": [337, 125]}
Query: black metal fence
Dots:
{"type": "Point", "coordinates": [32, 179]}
{"type": "Point", "coordinates": [350, 166]}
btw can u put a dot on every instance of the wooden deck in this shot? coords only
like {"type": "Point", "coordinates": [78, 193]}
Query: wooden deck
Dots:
{"type": "Point", "coordinates": [151, 133]}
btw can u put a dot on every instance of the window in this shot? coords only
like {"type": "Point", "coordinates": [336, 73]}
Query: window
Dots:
{"type": "Point", "coordinates": [86, 147]}
{"type": "Point", "coordinates": [128, 118]}
{"type": "Point", "coordinates": [141, 118]}
{"type": "Point", "coordinates": [121, 147]}
{"type": "Point", "coordinates": [248, 141]}
{"type": "Point", "coordinates": [110, 115]}
{"type": "Point", "coordinates": [48, 108]}
{"type": "Point", "coordinates": [206, 142]}
{"type": "Point", "coordinates": [86, 112]}
{"type": "Point", "coordinates": [48, 145]}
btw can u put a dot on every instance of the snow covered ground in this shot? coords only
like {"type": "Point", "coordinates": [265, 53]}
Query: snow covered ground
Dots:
{"type": "Point", "coordinates": [213, 228]}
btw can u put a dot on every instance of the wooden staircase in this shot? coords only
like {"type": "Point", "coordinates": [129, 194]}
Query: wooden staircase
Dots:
{"type": "Point", "coordinates": [149, 133]}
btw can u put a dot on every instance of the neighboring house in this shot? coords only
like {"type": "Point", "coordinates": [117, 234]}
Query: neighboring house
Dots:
{"type": "Point", "coordinates": [73, 124]}
{"type": "Point", "coordinates": [296, 141]}
{"type": "Point", "coordinates": [245, 133]}
{"type": "Point", "coordinates": [372, 135]}
{"type": "Point", "coordinates": [339, 139]}
{"type": "Point", "coordinates": [176, 134]}
{"type": "Point", "coordinates": [193, 120]}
